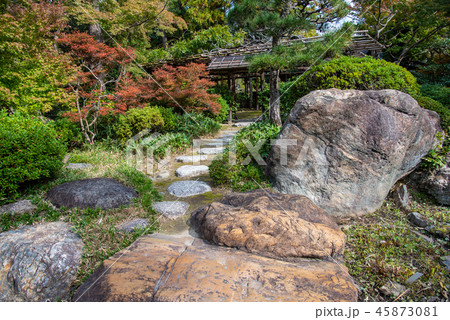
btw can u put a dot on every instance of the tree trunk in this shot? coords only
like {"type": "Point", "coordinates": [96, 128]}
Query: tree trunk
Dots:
{"type": "Point", "coordinates": [164, 40]}
{"type": "Point", "coordinates": [94, 29]}
{"type": "Point", "coordinates": [274, 111]}
{"type": "Point", "coordinates": [274, 83]}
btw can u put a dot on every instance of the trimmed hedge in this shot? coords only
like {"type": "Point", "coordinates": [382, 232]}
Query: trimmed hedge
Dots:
{"type": "Point", "coordinates": [29, 150]}
{"type": "Point", "coordinates": [357, 73]}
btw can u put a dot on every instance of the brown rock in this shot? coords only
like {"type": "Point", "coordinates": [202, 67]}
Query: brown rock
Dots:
{"type": "Point", "coordinates": [270, 224]}
{"type": "Point", "coordinates": [351, 147]}
{"type": "Point", "coordinates": [164, 268]}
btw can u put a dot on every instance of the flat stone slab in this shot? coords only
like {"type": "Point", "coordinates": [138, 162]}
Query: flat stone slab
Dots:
{"type": "Point", "coordinates": [78, 166]}
{"type": "Point", "coordinates": [188, 188]}
{"type": "Point", "coordinates": [18, 208]}
{"type": "Point", "coordinates": [191, 171]}
{"type": "Point", "coordinates": [191, 159]}
{"type": "Point", "coordinates": [91, 193]}
{"type": "Point", "coordinates": [242, 124]}
{"type": "Point", "coordinates": [211, 150]}
{"type": "Point", "coordinates": [133, 225]}
{"type": "Point", "coordinates": [171, 209]}
{"type": "Point", "coordinates": [168, 268]}
{"type": "Point", "coordinates": [209, 143]}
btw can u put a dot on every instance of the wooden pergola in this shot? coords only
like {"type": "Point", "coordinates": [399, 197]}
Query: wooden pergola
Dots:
{"type": "Point", "coordinates": [227, 65]}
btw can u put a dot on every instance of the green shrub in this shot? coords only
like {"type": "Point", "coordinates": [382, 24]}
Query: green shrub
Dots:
{"type": "Point", "coordinates": [355, 73]}
{"type": "Point", "coordinates": [437, 156]}
{"type": "Point", "coordinates": [162, 144]}
{"type": "Point", "coordinates": [222, 116]}
{"type": "Point", "coordinates": [29, 150]}
{"type": "Point", "coordinates": [170, 118]}
{"type": "Point", "coordinates": [196, 125]}
{"type": "Point", "coordinates": [436, 92]}
{"type": "Point", "coordinates": [106, 126]}
{"type": "Point", "coordinates": [68, 132]}
{"type": "Point", "coordinates": [136, 120]}
{"type": "Point", "coordinates": [436, 106]}
{"type": "Point", "coordinates": [239, 175]}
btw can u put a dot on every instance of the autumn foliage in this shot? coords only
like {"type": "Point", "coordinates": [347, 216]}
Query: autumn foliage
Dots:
{"type": "Point", "coordinates": [183, 87]}
{"type": "Point", "coordinates": [100, 70]}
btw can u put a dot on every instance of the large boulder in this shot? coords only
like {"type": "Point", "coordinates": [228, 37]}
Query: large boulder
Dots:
{"type": "Point", "coordinates": [91, 193]}
{"type": "Point", "coordinates": [168, 268]}
{"type": "Point", "coordinates": [38, 263]}
{"type": "Point", "coordinates": [279, 226]}
{"type": "Point", "coordinates": [351, 147]}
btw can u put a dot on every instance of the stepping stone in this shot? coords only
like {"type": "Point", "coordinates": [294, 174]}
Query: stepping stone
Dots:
{"type": "Point", "coordinates": [209, 142]}
{"type": "Point", "coordinates": [133, 225]}
{"type": "Point", "coordinates": [91, 193]}
{"type": "Point", "coordinates": [171, 209]}
{"type": "Point", "coordinates": [226, 137]}
{"type": "Point", "coordinates": [18, 208]}
{"type": "Point", "coordinates": [188, 188]}
{"type": "Point", "coordinates": [242, 124]}
{"type": "Point", "coordinates": [216, 150]}
{"type": "Point", "coordinates": [190, 171]}
{"type": "Point", "coordinates": [235, 132]}
{"type": "Point", "coordinates": [78, 166]}
{"type": "Point", "coordinates": [191, 159]}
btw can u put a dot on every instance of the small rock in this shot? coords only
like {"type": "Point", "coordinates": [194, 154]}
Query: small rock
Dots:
{"type": "Point", "coordinates": [39, 263]}
{"type": "Point", "coordinates": [417, 219]}
{"type": "Point", "coordinates": [446, 262]}
{"type": "Point", "coordinates": [78, 166]}
{"type": "Point", "coordinates": [392, 288]}
{"type": "Point", "coordinates": [191, 171]}
{"type": "Point", "coordinates": [191, 159]}
{"type": "Point", "coordinates": [18, 208]}
{"type": "Point", "coordinates": [171, 209]}
{"type": "Point", "coordinates": [402, 196]}
{"type": "Point", "coordinates": [211, 150]}
{"type": "Point", "coordinates": [91, 193]}
{"type": "Point", "coordinates": [163, 175]}
{"type": "Point", "coordinates": [133, 225]}
{"type": "Point", "coordinates": [188, 188]}
{"type": "Point", "coordinates": [414, 277]}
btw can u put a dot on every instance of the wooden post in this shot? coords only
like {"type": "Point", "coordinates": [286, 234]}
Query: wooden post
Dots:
{"type": "Point", "coordinates": [229, 83]}
{"type": "Point", "coordinates": [233, 88]}
{"type": "Point", "coordinates": [257, 92]}
{"type": "Point", "coordinates": [246, 92]}
{"type": "Point", "coordinates": [263, 83]}
{"type": "Point", "coordinates": [251, 93]}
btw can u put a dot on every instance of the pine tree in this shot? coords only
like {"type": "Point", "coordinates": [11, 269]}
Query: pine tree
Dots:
{"type": "Point", "coordinates": [276, 19]}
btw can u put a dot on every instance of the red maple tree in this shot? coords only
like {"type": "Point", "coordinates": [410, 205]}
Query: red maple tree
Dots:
{"type": "Point", "coordinates": [100, 71]}
{"type": "Point", "coordinates": [183, 86]}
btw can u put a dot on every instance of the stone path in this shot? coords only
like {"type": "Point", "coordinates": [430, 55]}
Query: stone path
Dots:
{"type": "Point", "coordinates": [186, 179]}
{"type": "Point", "coordinates": [249, 256]}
